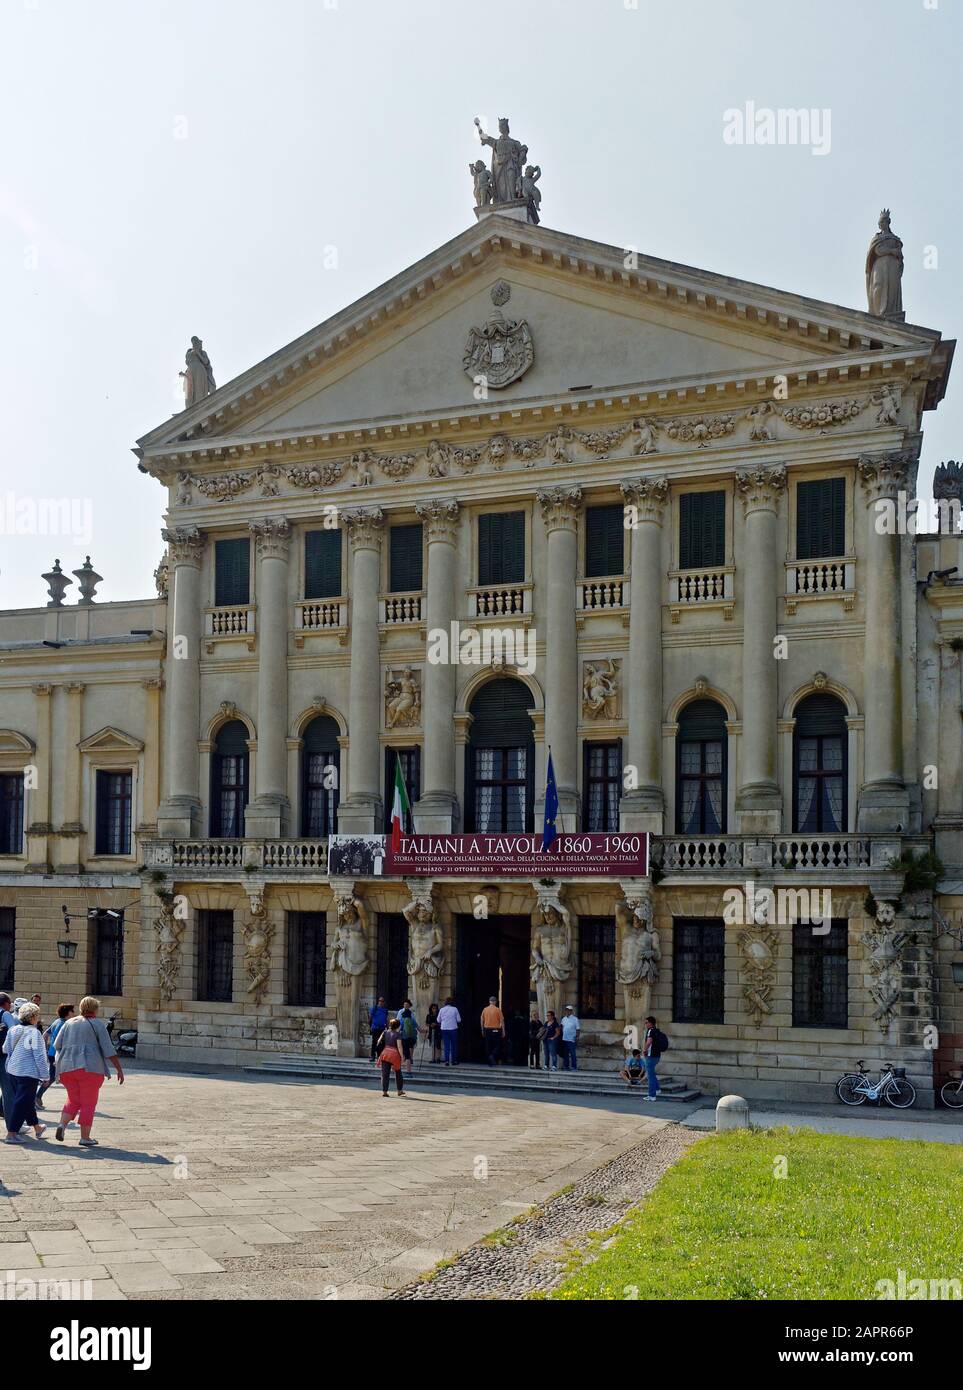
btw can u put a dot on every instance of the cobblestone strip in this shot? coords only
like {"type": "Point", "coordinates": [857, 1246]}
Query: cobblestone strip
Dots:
{"type": "Point", "coordinates": [531, 1255]}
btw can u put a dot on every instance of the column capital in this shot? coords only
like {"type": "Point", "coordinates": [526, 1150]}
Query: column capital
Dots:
{"type": "Point", "coordinates": [649, 496]}
{"type": "Point", "coordinates": [883, 475]}
{"type": "Point", "coordinates": [364, 526]}
{"type": "Point", "coordinates": [153, 683]}
{"type": "Point", "coordinates": [75, 687]}
{"type": "Point", "coordinates": [42, 688]}
{"type": "Point", "coordinates": [185, 544]}
{"type": "Point", "coordinates": [760, 488]}
{"type": "Point", "coordinates": [272, 537]}
{"type": "Point", "coordinates": [440, 519]}
{"type": "Point", "coordinates": [561, 507]}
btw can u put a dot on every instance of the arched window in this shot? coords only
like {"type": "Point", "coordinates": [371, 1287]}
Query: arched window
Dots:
{"type": "Point", "coordinates": [820, 773]}
{"type": "Point", "coordinates": [700, 791]}
{"type": "Point", "coordinates": [500, 777]}
{"type": "Point", "coordinates": [320, 778]}
{"type": "Point", "coordinates": [229, 781]}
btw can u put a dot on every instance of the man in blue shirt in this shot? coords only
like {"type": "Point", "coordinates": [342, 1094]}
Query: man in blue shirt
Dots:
{"type": "Point", "coordinates": [571, 1028]}
{"type": "Point", "coordinates": [377, 1023]}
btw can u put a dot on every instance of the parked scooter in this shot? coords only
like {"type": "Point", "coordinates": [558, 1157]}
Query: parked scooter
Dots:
{"type": "Point", "coordinates": [126, 1041]}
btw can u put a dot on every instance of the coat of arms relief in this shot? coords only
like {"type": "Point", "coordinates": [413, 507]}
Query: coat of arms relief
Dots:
{"type": "Point", "coordinates": [503, 349]}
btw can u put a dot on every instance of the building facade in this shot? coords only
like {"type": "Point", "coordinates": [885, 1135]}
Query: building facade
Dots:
{"type": "Point", "coordinates": [531, 493]}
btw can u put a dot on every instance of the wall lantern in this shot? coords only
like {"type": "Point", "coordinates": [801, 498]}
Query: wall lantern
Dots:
{"type": "Point", "coordinates": [66, 949]}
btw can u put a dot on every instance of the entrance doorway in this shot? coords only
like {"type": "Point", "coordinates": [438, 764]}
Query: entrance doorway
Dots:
{"type": "Point", "coordinates": [494, 957]}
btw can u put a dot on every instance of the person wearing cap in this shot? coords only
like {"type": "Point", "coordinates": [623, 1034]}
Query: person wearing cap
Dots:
{"type": "Point", "coordinates": [571, 1029]}
{"type": "Point", "coordinates": [493, 1030]}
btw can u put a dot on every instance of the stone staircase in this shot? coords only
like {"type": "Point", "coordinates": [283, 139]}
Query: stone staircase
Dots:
{"type": "Point", "coordinates": [469, 1076]}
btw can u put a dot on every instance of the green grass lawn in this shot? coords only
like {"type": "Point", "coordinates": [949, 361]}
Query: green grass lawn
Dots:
{"type": "Point", "coordinates": [721, 1224]}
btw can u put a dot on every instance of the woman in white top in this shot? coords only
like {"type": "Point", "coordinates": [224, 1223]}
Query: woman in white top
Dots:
{"type": "Point", "coordinates": [26, 1055]}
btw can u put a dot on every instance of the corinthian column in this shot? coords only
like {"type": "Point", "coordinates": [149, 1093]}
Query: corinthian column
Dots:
{"type": "Point", "coordinates": [179, 815]}
{"type": "Point", "coordinates": [759, 800]}
{"type": "Point", "coordinates": [361, 812]}
{"type": "Point", "coordinates": [561, 508]}
{"type": "Point", "coordinates": [437, 808]}
{"type": "Point", "coordinates": [643, 804]}
{"type": "Point", "coordinates": [266, 818]}
{"type": "Point", "coordinates": [883, 799]}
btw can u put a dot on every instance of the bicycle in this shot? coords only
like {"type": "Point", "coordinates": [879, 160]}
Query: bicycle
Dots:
{"type": "Point", "coordinates": [855, 1088]}
{"type": "Point", "coordinates": [951, 1092]}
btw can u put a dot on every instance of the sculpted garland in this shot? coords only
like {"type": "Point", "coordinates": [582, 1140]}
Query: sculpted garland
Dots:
{"type": "Point", "coordinates": [559, 445]}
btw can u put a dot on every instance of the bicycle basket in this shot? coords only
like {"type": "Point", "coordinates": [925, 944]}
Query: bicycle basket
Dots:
{"type": "Point", "coordinates": [899, 1071]}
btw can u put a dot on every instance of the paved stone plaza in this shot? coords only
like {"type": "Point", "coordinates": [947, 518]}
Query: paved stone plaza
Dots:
{"type": "Point", "coordinates": [229, 1187]}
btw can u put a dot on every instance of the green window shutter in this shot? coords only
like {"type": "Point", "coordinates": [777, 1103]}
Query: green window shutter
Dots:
{"type": "Point", "coordinates": [322, 564]}
{"type": "Point", "coordinates": [702, 530]}
{"type": "Point", "coordinates": [604, 541]}
{"type": "Point", "coordinates": [501, 548]}
{"type": "Point", "coordinates": [232, 571]}
{"type": "Point", "coordinates": [821, 519]}
{"type": "Point", "coordinates": [405, 556]}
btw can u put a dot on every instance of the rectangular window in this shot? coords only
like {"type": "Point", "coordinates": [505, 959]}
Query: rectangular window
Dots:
{"type": "Point", "coordinates": [106, 934]}
{"type": "Point", "coordinates": [215, 956]}
{"type": "Point", "coordinates": [11, 813]}
{"type": "Point", "coordinates": [596, 967]}
{"type": "Point", "coordinates": [405, 550]}
{"type": "Point", "coordinates": [322, 564]}
{"type": "Point", "coordinates": [232, 572]}
{"type": "Point", "coordinates": [307, 960]}
{"type": "Point", "coordinates": [500, 791]}
{"type": "Point", "coordinates": [821, 519]}
{"type": "Point", "coordinates": [602, 785]}
{"type": "Point", "coordinates": [702, 530]}
{"type": "Point", "coordinates": [410, 759]}
{"type": "Point", "coordinates": [113, 812]}
{"type": "Point", "coordinates": [8, 941]}
{"type": "Point", "coordinates": [604, 540]}
{"type": "Point", "coordinates": [393, 959]}
{"type": "Point", "coordinates": [698, 970]}
{"type": "Point", "coordinates": [820, 976]}
{"type": "Point", "coordinates": [501, 548]}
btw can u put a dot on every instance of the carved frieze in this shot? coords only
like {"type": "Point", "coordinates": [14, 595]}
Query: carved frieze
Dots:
{"type": "Point", "coordinates": [821, 416]}
{"type": "Point", "coordinates": [701, 431]}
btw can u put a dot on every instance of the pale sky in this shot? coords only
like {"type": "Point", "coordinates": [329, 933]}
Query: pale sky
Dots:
{"type": "Point", "coordinates": [174, 167]}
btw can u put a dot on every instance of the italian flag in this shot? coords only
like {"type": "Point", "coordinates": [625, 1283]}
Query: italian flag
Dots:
{"type": "Point", "coordinates": [400, 808]}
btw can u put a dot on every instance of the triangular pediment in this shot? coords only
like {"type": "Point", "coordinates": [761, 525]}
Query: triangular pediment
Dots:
{"type": "Point", "coordinates": [599, 321]}
{"type": "Point", "coordinates": [110, 740]}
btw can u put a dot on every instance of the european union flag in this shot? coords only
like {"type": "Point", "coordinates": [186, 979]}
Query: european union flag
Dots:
{"type": "Point", "coordinates": [549, 833]}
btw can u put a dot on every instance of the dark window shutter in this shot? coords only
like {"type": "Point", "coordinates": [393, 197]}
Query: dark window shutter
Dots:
{"type": "Point", "coordinates": [405, 554]}
{"type": "Point", "coordinates": [820, 518]}
{"type": "Point", "coordinates": [8, 943]}
{"type": "Point", "coordinates": [698, 970]}
{"type": "Point", "coordinates": [322, 564]}
{"type": "Point", "coordinates": [501, 548]}
{"type": "Point", "coordinates": [11, 813]}
{"type": "Point", "coordinates": [232, 572]}
{"type": "Point", "coordinates": [702, 530]}
{"type": "Point", "coordinates": [604, 541]}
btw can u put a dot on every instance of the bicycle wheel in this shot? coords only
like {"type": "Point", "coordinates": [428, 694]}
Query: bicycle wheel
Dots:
{"type": "Point", "coordinates": [846, 1089]}
{"type": "Point", "coordinates": [900, 1093]}
{"type": "Point", "coordinates": [951, 1094]}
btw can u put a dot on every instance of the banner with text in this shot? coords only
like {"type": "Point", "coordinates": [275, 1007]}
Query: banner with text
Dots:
{"type": "Point", "coordinates": [576, 854]}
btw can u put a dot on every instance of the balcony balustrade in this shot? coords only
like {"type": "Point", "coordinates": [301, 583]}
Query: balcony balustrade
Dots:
{"type": "Point", "coordinates": [820, 579]}
{"type": "Point", "coordinates": [703, 588]}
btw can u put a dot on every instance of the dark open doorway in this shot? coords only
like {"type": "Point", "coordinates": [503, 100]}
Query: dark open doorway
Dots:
{"type": "Point", "coordinates": [493, 957]}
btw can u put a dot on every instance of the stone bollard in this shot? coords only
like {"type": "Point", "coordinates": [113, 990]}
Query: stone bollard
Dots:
{"type": "Point", "coordinates": [732, 1112]}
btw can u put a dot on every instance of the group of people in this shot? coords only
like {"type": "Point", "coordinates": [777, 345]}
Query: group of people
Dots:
{"type": "Point", "coordinates": [75, 1048]}
{"type": "Point", "coordinates": [395, 1034]}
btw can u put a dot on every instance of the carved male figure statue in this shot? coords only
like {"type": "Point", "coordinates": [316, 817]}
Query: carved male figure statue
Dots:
{"type": "Point", "coordinates": [402, 705]}
{"type": "Point", "coordinates": [349, 960]}
{"type": "Point", "coordinates": [639, 958]}
{"type": "Point", "coordinates": [551, 955]}
{"type": "Point", "coordinates": [426, 955]}
{"type": "Point", "coordinates": [600, 688]}
{"type": "Point", "coordinates": [483, 183]}
{"type": "Point", "coordinates": [506, 161]}
{"type": "Point", "coordinates": [528, 191]}
{"type": "Point", "coordinates": [198, 379]}
{"type": "Point", "coordinates": [884, 271]}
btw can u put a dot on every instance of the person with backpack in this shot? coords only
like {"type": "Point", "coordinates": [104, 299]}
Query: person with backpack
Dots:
{"type": "Point", "coordinates": [409, 1035]}
{"type": "Point", "coordinates": [653, 1046]}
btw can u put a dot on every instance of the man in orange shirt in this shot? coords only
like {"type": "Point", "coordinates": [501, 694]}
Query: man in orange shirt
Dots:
{"type": "Point", "coordinates": [493, 1030]}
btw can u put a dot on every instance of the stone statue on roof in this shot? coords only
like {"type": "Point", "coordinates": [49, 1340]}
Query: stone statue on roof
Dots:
{"type": "Point", "coordinates": [198, 379]}
{"type": "Point", "coordinates": [884, 272]}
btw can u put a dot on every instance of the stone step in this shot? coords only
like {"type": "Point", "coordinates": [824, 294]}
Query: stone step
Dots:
{"type": "Point", "coordinates": [468, 1075]}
